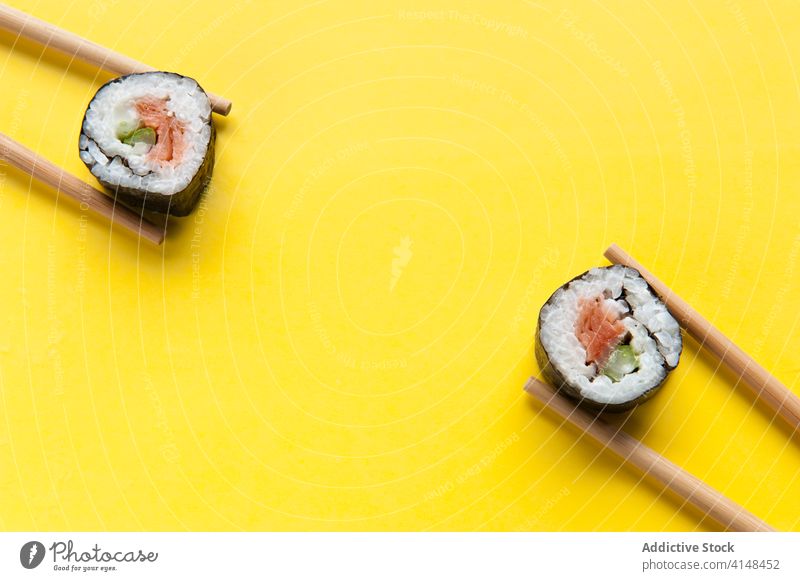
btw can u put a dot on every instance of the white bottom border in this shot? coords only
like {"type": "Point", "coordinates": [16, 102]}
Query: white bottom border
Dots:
{"type": "Point", "coordinates": [401, 556]}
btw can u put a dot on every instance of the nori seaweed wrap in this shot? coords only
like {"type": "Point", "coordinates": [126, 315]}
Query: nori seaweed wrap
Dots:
{"type": "Point", "coordinates": [606, 339]}
{"type": "Point", "coordinates": [148, 138]}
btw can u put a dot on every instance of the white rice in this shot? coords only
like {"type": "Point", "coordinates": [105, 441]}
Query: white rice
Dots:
{"type": "Point", "coordinates": [655, 334]}
{"type": "Point", "coordinates": [118, 163]}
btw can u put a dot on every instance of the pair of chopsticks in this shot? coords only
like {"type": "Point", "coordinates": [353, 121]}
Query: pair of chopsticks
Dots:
{"type": "Point", "coordinates": [694, 491]}
{"type": "Point", "coordinates": [25, 25]}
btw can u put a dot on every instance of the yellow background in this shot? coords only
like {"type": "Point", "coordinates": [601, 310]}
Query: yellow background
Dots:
{"type": "Point", "coordinates": [270, 368]}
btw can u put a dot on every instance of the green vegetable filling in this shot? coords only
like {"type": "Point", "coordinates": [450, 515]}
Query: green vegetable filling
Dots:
{"type": "Point", "coordinates": [133, 135]}
{"type": "Point", "coordinates": [621, 362]}
{"type": "Point", "coordinates": [125, 129]}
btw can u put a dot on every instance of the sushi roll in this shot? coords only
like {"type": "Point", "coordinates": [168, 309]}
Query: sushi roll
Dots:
{"type": "Point", "coordinates": [149, 139]}
{"type": "Point", "coordinates": [606, 339]}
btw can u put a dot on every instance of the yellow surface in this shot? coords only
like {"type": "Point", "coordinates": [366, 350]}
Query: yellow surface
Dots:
{"type": "Point", "coordinates": [338, 337]}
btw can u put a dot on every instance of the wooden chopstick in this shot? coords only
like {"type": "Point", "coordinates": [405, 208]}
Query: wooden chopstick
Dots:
{"type": "Point", "coordinates": [694, 491]}
{"type": "Point", "coordinates": [46, 172]}
{"type": "Point", "coordinates": [764, 385]}
{"type": "Point", "coordinates": [47, 34]}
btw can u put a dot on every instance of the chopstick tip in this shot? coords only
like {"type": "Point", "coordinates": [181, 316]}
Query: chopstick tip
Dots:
{"type": "Point", "coordinates": [221, 106]}
{"type": "Point", "coordinates": [611, 251]}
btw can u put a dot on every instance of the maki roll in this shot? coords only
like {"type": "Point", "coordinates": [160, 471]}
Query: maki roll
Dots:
{"type": "Point", "coordinates": [606, 339]}
{"type": "Point", "coordinates": [149, 139]}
